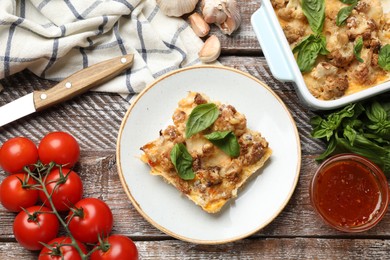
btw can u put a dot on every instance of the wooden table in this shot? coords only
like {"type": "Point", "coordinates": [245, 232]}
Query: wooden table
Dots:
{"type": "Point", "coordinates": [94, 119]}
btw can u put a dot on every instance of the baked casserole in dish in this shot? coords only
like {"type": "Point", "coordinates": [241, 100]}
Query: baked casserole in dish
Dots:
{"type": "Point", "coordinates": [335, 51]}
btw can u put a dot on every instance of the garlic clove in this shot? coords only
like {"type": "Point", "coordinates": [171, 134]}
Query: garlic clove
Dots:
{"type": "Point", "coordinates": [213, 11]}
{"type": "Point", "coordinates": [199, 25]}
{"type": "Point", "coordinates": [211, 49]}
{"type": "Point", "coordinates": [176, 8]}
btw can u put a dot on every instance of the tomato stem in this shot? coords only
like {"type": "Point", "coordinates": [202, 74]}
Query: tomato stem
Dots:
{"type": "Point", "coordinates": [44, 170]}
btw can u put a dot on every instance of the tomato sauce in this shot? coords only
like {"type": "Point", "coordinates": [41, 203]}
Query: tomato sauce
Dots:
{"type": "Point", "coordinates": [347, 194]}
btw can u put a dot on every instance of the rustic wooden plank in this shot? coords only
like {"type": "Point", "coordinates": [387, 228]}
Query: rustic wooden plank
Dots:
{"type": "Point", "coordinates": [101, 180]}
{"type": "Point", "coordinates": [271, 248]}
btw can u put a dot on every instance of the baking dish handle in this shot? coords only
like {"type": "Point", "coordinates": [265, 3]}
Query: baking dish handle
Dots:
{"type": "Point", "coordinates": [271, 44]}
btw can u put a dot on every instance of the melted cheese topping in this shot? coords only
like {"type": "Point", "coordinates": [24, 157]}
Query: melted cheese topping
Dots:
{"type": "Point", "coordinates": [344, 75]}
{"type": "Point", "coordinates": [217, 176]}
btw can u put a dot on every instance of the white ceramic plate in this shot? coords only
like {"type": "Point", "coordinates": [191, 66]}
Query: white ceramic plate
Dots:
{"type": "Point", "coordinates": [258, 202]}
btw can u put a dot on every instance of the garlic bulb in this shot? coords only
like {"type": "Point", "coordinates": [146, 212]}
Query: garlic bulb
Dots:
{"type": "Point", "coordinates": [199, 25]}
{"type": "Point", "coordinates": [211, 49]}
{"type": "Point", "coordinates": [224, 13]}
{"type": "Point", "coordinates": [213, 11]}
{"type": "Point", "coordinates": [176, 7]}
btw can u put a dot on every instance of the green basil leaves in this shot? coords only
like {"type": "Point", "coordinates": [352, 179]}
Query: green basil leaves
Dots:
{"type": "Point", "coordinates": [308, 50]}
{"type": "Point", "coordinates": [362, 128]}
{"type": "Point", "coordinates": [182, 160]}
{"type": "Point", "coordinates": [343, 14]}
{"type": "Point", "coordinates": [226, 141]}
{"type": "Point", "coordinates": [201, 117]}
{"type": "Point", "coordinates": [314, 10]}
{"type": "Point", "coordinates": [358, 48]}
{"type": "Point", "coordinates": [384, 57]}
{"type": "Point", "coordinates": [315, 44]}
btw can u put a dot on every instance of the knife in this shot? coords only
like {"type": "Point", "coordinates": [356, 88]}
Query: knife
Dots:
{"type": "Point", "coordinates": [72, 86]}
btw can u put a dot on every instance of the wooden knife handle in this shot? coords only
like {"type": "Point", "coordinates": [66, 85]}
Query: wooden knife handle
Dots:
{"type": "Point", "coordinates": [82, 81]}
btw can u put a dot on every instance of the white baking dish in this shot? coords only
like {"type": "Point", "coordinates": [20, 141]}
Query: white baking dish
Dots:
{"type": "Point", "coordinates": [284, 67]}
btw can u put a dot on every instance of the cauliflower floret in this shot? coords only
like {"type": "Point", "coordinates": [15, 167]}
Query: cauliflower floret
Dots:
{"type": "Point", "coordinates": [361, 24]}
{"type": "Point", "coordinates": [342, 57]}
{"type": "Point", "coordinates": [333, 87]}
{"type": "Point", "coordinates": [328, 82]}
{"type": "Point", "coordinates": [293, 10]}
{"type": "Point", "coordinates": [277, 4]}
{"type": "Point", "coordinates": [293, 33]}
{"type": "Point", "coordinates": [323, 69]}
{"type": "Point", "coordinates": [364, 73]}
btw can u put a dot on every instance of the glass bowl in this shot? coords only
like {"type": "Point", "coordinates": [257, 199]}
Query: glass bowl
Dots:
{"type": "Point", "coordinates": [349, 192]}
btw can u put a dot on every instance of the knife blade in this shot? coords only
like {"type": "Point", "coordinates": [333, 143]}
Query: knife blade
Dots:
{"type": "Point", "coordinates": [70, 87]}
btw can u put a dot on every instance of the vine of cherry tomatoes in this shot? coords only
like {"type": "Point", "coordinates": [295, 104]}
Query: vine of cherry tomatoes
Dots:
{"type": "Point", "coordinates": [42, 184]}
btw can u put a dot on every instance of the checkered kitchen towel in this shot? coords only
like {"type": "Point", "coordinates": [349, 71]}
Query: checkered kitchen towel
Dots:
{"type": "Point", "coordinates": [55, 38]}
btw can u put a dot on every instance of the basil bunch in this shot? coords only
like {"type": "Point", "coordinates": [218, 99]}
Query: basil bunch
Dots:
{"type": "Point", "coordinates": [315, 44]}
{"type": "Point", "coordinates": [361, 128]}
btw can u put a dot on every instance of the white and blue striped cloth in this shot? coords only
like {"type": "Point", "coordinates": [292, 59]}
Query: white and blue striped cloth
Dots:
{"type": "Point", "coordinates": [55, 38]}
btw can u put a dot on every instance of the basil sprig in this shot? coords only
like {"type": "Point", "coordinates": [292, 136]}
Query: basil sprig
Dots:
{"type": "Point", "coordinates": [345, 12]}
{"type": "Point", "coordinates": [358, 48]}
{"type": "Point", "coordinates": [182, 160]}
{"type": "Point", "coordinates": [314, 10]}
{"type": "Point", "coordinates": [226, 141]}
{"type": "Point", "coordinates": [384, 57]}
{"type": "Point", "coordinates": [201, 117]}
{"type": "Point", "coordinates": [308, 50]}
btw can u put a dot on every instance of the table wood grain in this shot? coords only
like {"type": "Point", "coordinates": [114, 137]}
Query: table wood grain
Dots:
{"type": "Point", "coordinates": [94, 119]}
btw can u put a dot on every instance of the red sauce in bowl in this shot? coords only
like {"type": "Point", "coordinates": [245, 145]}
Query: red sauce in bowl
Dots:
{"type": "Point", "coordinates": [350, 193]}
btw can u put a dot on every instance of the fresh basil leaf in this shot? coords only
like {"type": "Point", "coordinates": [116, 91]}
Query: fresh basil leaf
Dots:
{"type": "Point", "coordinates": [226, 141]}
{"type": "Point", "coordinates": [329, 149]}
{"type": "Point", "coordinates": [343, 14]}
{"type": "Point", "coordinates": [308, 50]}
{"type": "Point", "coordinates": [201, 117]}
{"type": "Point", "coordinates": [384, 57]}
{"type": "Point", "coordinates": [364, 147]}
{"type": "Point", "coordinates": [348, 2]}
{"type": "Point", "coordinates": [375, 112]}
{"type": "Point", "coordinates": [357, 49]}
{"type": "Point", "coordinates": [182, 160]}
{"type": "Point", "coordinates": [302, 43]}
{"type": "Point", "coordinates": [327, 127]}
{"type": "Point", "coordinates": [314, 10]}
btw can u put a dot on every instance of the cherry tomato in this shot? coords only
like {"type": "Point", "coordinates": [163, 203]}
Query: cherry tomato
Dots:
{"type": "Point", "coordinates": [116, 247]}
{"type": "Point", "coordinates": [16, 153]}
{"type": "Point", "coordinates": [39, 225]}
{"type": "Point", "coordinates": [65, 187]}
{"type": "Point", "coordinates": [61, 250]}
{"type": "Point", "coordinates": [89, 219]}
{"type": "Point", "coordinates": [59, 147]}
{"type": "Point", "coordinates": [16, 192]}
